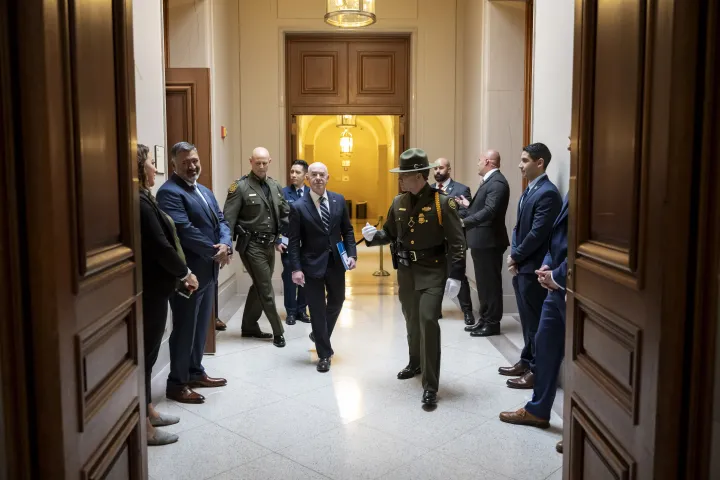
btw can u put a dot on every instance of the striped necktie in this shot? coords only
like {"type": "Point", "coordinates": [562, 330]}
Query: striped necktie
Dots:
{"type": "Point", "coordinates": [325, 214]}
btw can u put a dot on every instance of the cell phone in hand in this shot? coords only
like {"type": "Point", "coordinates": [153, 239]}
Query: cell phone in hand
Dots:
{"type": "Point", "coordinates": [183, 291]}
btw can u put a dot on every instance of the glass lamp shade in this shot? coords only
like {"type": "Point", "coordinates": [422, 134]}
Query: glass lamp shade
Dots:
{"type": "Point", "coordinates": [346, 121]}
{"type": "Point", "coordinates": [346, 143]}
{"type": "Point", "coordinates": [350, 13]}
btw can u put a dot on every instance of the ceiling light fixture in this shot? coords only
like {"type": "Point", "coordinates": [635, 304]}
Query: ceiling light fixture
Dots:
{"type": "Point", "coordinates": [350, 13]}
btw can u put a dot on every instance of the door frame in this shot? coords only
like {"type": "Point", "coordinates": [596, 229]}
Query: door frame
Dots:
{"type": "Point", "coordinates": [292, 110]}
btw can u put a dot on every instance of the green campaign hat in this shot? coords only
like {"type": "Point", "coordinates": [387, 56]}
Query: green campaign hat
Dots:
{"type": "Point", "coordinates": [413, 160]}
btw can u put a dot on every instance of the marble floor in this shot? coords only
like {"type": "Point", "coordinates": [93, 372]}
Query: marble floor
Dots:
{"type": "Point", "coordinates": [278, 418]}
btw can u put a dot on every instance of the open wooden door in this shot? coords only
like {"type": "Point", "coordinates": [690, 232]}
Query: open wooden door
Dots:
{"type": "Point", "coordinates": [638, 98]}
{"type": "Point", "coordinates": [187, 107]}
{"type": "Point", "coordinates": [75, 240]}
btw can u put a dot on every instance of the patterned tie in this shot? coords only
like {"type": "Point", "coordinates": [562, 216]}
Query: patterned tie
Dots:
{"type": "Point", "coordinates": [440, 186]}
{"type": "Point", "coordinates": [325, 214]}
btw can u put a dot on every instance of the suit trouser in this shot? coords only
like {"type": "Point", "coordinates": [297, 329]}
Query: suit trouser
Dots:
{"type": "Point", "coordinates": [191, 317]}
{"type": "Point", "coordinates": [550, 349]}
{"type": "Point", "coordinates": [155, 309]}
{"type": "Point", "coordinates": [530, 296]}
{"type": "Point", "coordinates": [259, 261]}
{"type": "Point", "coordinates": [323, 316]}
{"type": "Point", "coordinates": [464, 294]}
{"type": "Point", "coordinates": [488, 278]}
{"type": "Point", "coordinates": [421, 309]}
{"type": "Point", "coordinates": [294, 300]}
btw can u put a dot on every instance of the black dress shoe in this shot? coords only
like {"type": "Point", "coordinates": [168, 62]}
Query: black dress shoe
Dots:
{"type": "Point", "coordinates": [476, 326]}
{"type": "Point", "coordinates": [429, 398]}
{"type": "Point", "coordinates": [408, 372]}
{"type": "Point", "coordinates": [256, 334]}
{"type": "Point", "coordinates": [440, 316]}
{"type": "Point", "coordinates": [279, 341]}
{"type": "Point", "coordinates": [312, 337]}
{"type": "Point", "coordinates": [487, 330]}
{"type": "Point", "coordinates": [469, 318]}
{"type": "Point", "coordinates": [303, 317]}
{"type": "Point", "coordinates": [323, 365]}
{"type": "Point", "coordinates": [290, 320]}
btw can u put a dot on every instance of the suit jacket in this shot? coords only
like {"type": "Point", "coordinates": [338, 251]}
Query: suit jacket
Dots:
{"type": "Point", "coordinates": [290, 193]}
{"type": "Point", "coordinates": [484, 219]}
{"type": "Point", "coordinates": [310, 246]}
{"type": "Point", "coordinates": [455, 189]}
{"type": "Point", "coordinates": [556, 257]}
{"type": "Point", "coordinates": [162, 266]}
{"type": "Point", "coordinates": [535, 218]}
{"type": "Point", "coordinates": [199, 226]}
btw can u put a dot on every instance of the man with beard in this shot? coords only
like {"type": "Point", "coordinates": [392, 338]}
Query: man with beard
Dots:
{"type": "Point", "coordinates": [448, 186]}
{"type": "Point", "coordinates": [205, 238]}
{"type": "Point", "coordinates": [258, 214]}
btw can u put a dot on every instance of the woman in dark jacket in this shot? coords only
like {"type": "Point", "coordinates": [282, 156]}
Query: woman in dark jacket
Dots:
{"type": "Point", "coordinates": [163, 268]}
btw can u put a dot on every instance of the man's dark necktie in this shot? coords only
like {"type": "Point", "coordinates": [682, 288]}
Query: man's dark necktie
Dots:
{"type": "Point", "coordinates": [522, 198]}
{"type": "Point", "coordinates": [325, 214]}
{"type": "Point", "coordinates": [299, 192]}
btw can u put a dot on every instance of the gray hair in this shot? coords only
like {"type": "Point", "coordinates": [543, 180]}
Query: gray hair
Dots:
{"type": "Point", "coordinates": [181, 147]}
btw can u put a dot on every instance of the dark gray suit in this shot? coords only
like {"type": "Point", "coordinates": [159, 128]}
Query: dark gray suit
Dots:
{"type": "Point", "coordinates": [457, 189]}
{"type": "Point", "coordinates": [487, 239]}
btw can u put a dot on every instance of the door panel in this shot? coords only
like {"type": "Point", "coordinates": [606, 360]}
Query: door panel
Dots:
{"type": "Point", "coordinates": [77, 168]}
{"type": "Point", "coordinates": [377, 72]}
{"type": "Point", "coordinates": [635, 114]}
{"type": "Point", "coordinates": [318, 71]}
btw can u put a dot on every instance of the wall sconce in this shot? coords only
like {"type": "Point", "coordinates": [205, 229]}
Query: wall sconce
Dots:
{"type": "Point", "coordinates": [345, 164]}
{"type": "Point", "coordinates": [346, 143]}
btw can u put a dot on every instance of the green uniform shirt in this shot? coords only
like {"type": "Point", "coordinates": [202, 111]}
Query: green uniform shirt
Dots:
{"type": "Point", "coordinates": [248, 206]}
{"type": "Point", "coordinates": [419, 227]}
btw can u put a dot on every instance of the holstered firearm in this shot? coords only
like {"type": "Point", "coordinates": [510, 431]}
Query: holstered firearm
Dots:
{"type": "Point", "coordinates": [393, 254]}
{"type": "Point", "coordinates": [243, 239]}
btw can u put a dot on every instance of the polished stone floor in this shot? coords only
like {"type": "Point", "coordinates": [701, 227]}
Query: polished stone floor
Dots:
{"type": "Point", "coordinates": [278, 418]}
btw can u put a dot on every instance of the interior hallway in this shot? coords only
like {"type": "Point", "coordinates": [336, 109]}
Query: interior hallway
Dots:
{"type": "Point", "coordinates": [278, 418]}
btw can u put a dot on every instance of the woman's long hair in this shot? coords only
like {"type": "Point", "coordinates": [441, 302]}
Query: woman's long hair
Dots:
{"type": "Point", "coordinates": [142, 156]}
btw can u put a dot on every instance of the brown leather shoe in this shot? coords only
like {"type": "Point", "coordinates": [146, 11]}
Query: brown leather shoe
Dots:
{"type": "Point", "coordinates": [526, 382]}
{"type": "Point", "coordinates": [207, 382]}
{"type": "Point", "coordinates": [523, 417]}
{"type": "Point", "coordinates": [185, 396]}
{"type": "Point", "coordinates": [559, 447]}
{"type": "Point", "coordinates": [220, 325]}
{"type": "Point", "coordinates": [516, 370]}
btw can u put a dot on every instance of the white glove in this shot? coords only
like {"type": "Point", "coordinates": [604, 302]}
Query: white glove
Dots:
{"type": "Point", "coordinates": [452, 288]}
{"type": "Point", "coordinates": [369, 232]}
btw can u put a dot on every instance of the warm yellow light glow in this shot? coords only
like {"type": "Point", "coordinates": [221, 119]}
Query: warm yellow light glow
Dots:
{"type": "Point", "coordinates": [346, 142]}
{"type": "Point", "coordinates": [350, 13]}
{"type": "Point", "coordinates": [346, 121]}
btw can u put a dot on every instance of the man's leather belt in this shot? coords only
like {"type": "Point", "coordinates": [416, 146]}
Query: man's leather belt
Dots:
{"type": "Point", "coordinates": [263, 238]}
{"type": "Point", "coordinates": [407, 256]}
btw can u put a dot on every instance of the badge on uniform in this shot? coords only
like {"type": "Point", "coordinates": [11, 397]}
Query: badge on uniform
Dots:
{"type": "Point", "coordinates": [421, 218]}
{"type": "Point", "coordinates": [411, 223]}
{"type": "Point", "coordinates": [233, 187]}
{"type": "Point", "coordinates": [452, 204]}
{"type": "Point", "coordinates": [426, 209]}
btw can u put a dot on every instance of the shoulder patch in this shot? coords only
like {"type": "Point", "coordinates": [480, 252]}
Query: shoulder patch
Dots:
{"type": "Point", "coordinates": [233, 186]}
{"type": "Point", "coordinates": [451, 202]}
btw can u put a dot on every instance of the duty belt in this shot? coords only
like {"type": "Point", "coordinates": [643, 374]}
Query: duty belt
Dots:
{"type": "Point", "coordinates": [407, 256]}
{"type": "Point", "coordinates": [263, 238]}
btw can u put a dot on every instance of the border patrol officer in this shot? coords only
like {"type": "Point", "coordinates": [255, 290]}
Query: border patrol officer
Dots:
{"type": "Point", "coordinates": [422, 226]}
{"type": "Point", "coordinates": [258, 214]}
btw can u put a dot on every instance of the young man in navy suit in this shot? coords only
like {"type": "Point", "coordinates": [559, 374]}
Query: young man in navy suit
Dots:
{"type": "Point", "coordinates": [550, 338]}
{"type": "Point", "coordinates": [205, 238]}
{"type": "Point", "coordinates": [537, 210]}
{"type": "Point", "coordinates": [318, 223]}
{"type": "Point", "coordinates": [295, 303]}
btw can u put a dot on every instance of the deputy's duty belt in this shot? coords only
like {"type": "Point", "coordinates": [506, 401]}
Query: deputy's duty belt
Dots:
{"type": "Point", "coordinates": [407, 256]}
{"type": "Point", "coordinates": [263, 238]}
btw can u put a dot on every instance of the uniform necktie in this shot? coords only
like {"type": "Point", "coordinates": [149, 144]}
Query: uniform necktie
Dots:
{"type": "Point", "coordinates": [325, 214]}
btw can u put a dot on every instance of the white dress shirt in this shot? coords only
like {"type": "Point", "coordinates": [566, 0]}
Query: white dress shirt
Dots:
{"type": "Point", "coordinates": [316, 200]}
{"type": "Point", "coordinates": [488, 174]}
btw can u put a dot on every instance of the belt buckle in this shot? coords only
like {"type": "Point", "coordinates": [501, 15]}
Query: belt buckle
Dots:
{"type": "Point", "coordinates": [413, 255]}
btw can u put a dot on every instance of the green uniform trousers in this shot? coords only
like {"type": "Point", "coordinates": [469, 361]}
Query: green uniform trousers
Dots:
{"type": "Point", "coordinates": [421, 309]}
{"type": "Point", "coordinates": [259, 261]}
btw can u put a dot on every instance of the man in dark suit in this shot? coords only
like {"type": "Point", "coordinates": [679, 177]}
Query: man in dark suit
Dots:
{"type": "Point", "coordinates": [205, 238]}
{"type": "Point", "coordinates": [318, 223]}
{"type": "Point", "coordinates": [447, 185]}
{"type": "Point", "coordinates": [550, 338]}
{"type": "Point", "coordinates": [487, 238]}
{"type": "Point", "coordinates": [295, 303]}
{"type": "Point", "coordinates": [538, 208]}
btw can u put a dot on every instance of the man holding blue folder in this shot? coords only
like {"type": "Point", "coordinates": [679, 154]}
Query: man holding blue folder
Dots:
{"type": "Point", "coordinates": [321, 248]}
